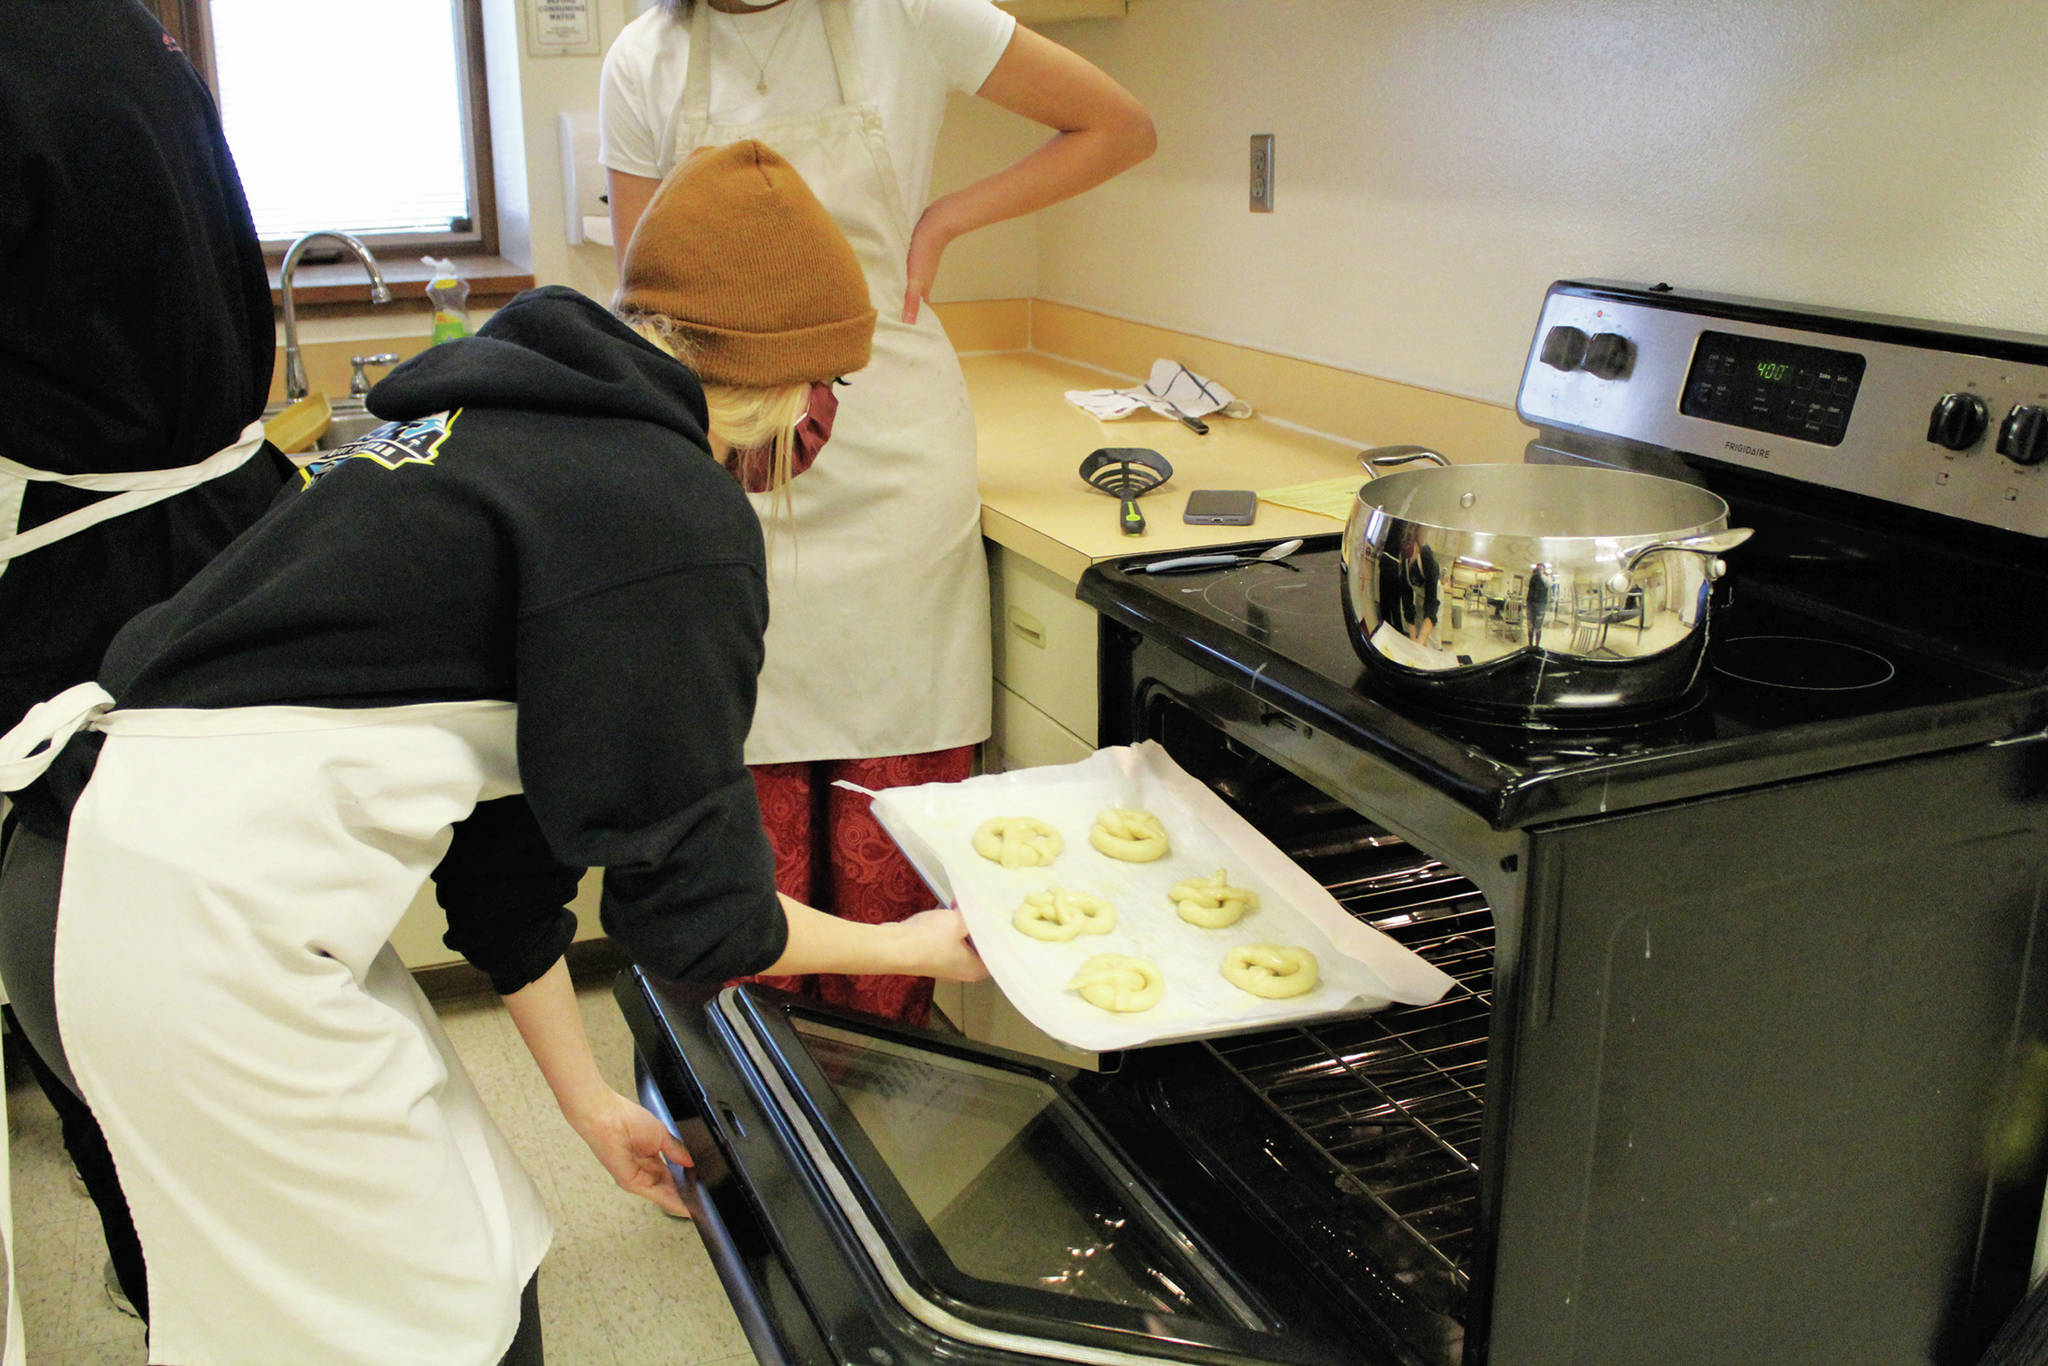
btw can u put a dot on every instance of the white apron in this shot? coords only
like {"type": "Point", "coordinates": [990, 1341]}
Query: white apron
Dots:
{"type": "Point", "coordinates": [131, 490]}
{"type": "Point", "coordinates": [312, 1175]}
{"type": "Point", "coordinates": [878, 637]}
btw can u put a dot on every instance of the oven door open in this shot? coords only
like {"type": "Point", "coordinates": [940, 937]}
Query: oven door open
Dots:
{"type": "Point", "coordinates": [876, 1194]}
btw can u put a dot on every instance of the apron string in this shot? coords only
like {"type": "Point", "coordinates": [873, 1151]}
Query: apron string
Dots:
{"type": "Point", "coordinates": [845, 61]}
{"type": "Point", "coordinates": [696, 75]}
{"type": "Point", "coordinates": [27, 751]}
{"type": "Point", "coordinates": [132, 490]}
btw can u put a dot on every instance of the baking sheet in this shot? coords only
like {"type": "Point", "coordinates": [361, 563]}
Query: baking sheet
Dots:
{"type": "Point", "coordinates": [934, 824]}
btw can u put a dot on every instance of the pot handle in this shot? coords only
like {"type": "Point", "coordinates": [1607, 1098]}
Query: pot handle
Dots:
{"type": "Point", "coordinates": [1377, 458]}
{"type": "Point", "coordinates": [1713, 543]}
{"type": "Point", "coordinates": [1710, 545]}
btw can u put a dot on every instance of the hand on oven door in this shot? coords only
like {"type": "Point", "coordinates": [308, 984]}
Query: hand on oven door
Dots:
{"type": "Point", "coordinates": [634, 1146]}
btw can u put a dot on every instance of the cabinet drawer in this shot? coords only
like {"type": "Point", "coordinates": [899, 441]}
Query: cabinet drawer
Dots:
{"type": "Point", "coordinates": [1044, 640]}
{"type": "Point", "coordinates": [980, 1011]}
{"type": "Point", "coordinates": [1022, 736]}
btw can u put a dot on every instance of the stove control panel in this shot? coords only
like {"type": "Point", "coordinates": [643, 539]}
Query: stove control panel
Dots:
{"type": "Point", "coordinates": [1946, 419]}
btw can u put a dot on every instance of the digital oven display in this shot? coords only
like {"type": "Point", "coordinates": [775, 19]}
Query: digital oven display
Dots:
{"type": "Point", "coordinates": [1773, 386]}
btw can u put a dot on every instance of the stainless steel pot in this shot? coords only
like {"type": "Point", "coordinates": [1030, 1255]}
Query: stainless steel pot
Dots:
{"type": "Point", "coordinates": [1532, 592]}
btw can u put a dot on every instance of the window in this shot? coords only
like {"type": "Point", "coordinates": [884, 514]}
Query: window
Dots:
{"type": "Point", "coordinates": [362, 115]}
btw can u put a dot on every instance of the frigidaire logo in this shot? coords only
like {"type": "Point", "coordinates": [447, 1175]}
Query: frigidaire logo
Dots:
{"type": "Point", "coordinates": [1761, 452]}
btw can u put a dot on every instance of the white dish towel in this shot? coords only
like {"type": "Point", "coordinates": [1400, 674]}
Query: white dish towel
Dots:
{"type": "Point", "coordinates": [1171, 385]}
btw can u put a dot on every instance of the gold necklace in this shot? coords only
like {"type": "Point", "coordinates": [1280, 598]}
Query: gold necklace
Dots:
{"type": "Point", "coordinates": [761, 66]}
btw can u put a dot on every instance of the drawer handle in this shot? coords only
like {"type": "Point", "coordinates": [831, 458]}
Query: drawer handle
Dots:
{"type": "Point", "coordinates": [1027, 627]}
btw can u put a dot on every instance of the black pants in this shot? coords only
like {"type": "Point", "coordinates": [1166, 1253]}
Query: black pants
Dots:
{"type": "Point", "coordinates": [29, 867]}
{"type": "Point", "coordinates": [525, 1349]}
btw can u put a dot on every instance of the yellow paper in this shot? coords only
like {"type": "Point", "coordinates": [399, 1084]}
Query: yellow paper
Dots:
{"type": "Point", "coordinates": [1330, 497]}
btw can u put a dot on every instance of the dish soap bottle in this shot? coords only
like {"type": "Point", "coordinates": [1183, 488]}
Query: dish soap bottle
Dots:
{"type": "Point", "coordinates": [450, 292]}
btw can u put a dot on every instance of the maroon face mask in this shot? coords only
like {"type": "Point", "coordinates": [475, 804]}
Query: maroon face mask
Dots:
{"type": "Point", "coordinates": [755, 468]}
{"type": "Point", "coordinates": [815, 428]}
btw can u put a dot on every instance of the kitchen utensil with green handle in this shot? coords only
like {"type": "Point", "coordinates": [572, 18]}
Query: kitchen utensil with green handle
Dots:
{"type": "Point", "coordinates": [1125, 472]}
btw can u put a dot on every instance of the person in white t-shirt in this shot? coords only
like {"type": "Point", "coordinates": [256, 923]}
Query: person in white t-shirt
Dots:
{"type": "Point", "coordinates": [878, 668]}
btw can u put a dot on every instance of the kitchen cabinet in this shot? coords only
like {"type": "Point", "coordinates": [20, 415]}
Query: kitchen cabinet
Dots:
{"type": "Point", "coordinates": [1044, 651]}
{"type": "Point", "coordinates": [980, 1011]}
{"type": "Point", "coordinates": [1044, 713]}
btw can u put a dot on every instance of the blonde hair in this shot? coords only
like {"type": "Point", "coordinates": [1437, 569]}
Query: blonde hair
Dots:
{"type": "Point", "coordinates": [757, 423]}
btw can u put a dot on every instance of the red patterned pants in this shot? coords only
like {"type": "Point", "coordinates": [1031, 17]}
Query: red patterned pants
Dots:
{"type": "Point", "coordinates": [830, 853]}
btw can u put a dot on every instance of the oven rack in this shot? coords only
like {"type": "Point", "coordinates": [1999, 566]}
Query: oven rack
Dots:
{"type": "Point", "coordinates": [1394, 1101]}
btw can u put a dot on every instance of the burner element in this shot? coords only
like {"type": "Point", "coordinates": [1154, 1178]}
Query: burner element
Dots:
{"type": "Point", "coordinates": [1254, 594]}
{"type": "Point", "coordinates": [1804, 663]}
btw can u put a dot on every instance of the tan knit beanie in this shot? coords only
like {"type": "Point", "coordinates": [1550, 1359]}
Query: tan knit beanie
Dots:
{"type": "Point", "coordinates": [736, 250]}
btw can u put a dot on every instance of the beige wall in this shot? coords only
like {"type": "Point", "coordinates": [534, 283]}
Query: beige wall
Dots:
{"type": "Point", "coordinates": [1439, 163]}
{"type": "Point", "coordinates": [527, 95]}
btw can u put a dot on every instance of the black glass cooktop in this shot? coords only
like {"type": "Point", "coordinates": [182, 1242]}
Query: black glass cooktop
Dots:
{"type": "Point", "coordinates": [1806, 691]}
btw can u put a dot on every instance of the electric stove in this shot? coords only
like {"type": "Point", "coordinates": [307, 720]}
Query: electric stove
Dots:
{"type": "Point", "coordinates": [1789, 690]}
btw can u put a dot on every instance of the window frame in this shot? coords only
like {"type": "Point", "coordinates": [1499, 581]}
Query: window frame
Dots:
{"type": "Point", "coordinates": [190, 23]}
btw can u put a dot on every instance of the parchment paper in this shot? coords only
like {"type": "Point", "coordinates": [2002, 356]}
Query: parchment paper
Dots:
{"type": "Point", "coordinates": [1360, 968]}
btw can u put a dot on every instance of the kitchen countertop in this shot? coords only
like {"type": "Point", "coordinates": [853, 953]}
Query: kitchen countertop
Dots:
{"type": "Point", "coordinates": [1032, 442]}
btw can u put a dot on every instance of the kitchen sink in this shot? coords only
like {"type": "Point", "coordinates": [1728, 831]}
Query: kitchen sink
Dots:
{"type": "Point", "coordinates": [351, 420]}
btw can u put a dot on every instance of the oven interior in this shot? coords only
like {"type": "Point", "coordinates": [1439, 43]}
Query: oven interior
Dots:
{"type": "Point", "coordinates": [1362, 1151]}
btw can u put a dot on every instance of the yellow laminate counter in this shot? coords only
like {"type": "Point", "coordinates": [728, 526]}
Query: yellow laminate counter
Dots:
{"type": "Point", "coordinates": [1032, 442]}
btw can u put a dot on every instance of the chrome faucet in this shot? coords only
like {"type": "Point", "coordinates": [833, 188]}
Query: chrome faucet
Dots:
{"type": "Point", "coordinates": [294, 364]}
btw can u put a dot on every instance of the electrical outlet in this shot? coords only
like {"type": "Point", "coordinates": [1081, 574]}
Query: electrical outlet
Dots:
{"type": "Point", "coordinates": [1262, 173]}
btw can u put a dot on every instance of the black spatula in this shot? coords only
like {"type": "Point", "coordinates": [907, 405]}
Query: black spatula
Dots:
{"type": "Point", "coordinates": [1124, 472]}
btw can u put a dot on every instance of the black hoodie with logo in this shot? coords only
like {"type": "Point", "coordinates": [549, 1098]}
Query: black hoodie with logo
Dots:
{"type": "Point", "coordinates": [541, 522]}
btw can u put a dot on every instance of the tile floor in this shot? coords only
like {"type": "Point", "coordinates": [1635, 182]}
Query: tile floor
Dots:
{"type": "Point", "coordinates": [624, 1285]}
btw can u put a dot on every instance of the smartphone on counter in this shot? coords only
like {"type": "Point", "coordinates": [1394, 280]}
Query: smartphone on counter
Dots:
{"type": "Point", "coordinates": [1221, 507]}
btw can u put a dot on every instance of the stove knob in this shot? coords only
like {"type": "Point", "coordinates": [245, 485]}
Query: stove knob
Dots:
{"type": "Point", "coordinates": [1957, 421]}
{"type": "Point", "coordinates": [2023, 436]}
{"type": "Point", "coordinates": [1609, 355]}
{"type": "Point", "coordinates": [1564, 348]}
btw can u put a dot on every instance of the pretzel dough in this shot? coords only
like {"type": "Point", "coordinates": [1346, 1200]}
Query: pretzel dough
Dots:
{"type": "Point", "coordinates": [1127, 834]}
{"type": "Point", "coordinates": [1059, 915]}
{"type": "Point", "coordinates": [1273, 971]}
{"type": "Point", "coordinates": [1210, 902]}
{"type": "Point", "coordinates": [1110, 981]}
{"type": "Point", "coordinates": [1018, 842]}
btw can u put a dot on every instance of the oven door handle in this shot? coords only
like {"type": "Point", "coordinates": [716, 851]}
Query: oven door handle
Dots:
{"type": "Point", "coordinates": [718, 1243]}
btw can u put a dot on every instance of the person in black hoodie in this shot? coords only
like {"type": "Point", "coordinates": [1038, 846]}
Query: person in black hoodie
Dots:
{"type": "Point", "coordinates": [511, 634]}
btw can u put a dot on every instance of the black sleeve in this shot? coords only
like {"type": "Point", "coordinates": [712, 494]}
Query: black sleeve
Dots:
{"type": "Point", "coordinates": [506, 895]}
{"type": "Point", "coordinates": [634, 705]}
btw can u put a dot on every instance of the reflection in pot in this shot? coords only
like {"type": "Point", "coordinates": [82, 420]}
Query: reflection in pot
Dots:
{"type": "Point", "coordinates": [1532, 592]}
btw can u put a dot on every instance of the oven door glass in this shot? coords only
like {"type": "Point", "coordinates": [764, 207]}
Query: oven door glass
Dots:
{"type": "Point", "coordinates": [990, 1204]}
